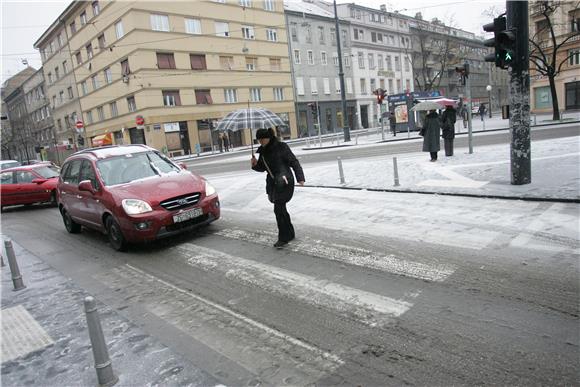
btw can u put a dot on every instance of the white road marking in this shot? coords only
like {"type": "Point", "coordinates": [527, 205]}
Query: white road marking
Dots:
{"type": "Point", "coordinates": [455, 179]}
{"type": "Point", "coordinates": [245, 319]}
{"type": "Point", "coordinates": [370, 308]}
{"type": "Point", "coordinates": [348, 254]}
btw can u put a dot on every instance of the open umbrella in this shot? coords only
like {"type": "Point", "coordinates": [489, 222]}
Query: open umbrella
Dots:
{"type": "Point", "coordinates": [249, 118]}
{"type": "Point", "coordinates": [446, 101]}
{"type": "Point", "coordinates": [426, 105]}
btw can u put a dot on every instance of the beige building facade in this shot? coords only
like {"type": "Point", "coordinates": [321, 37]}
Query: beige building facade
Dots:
{"type": "Point", "coordinates": [178, 66]}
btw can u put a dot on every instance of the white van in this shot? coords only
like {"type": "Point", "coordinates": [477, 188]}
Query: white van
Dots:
{"type": "Point", "coordinates": [4, 164]}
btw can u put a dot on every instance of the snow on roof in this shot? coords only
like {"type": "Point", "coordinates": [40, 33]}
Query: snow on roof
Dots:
{"type": "Point", "coordinates": [304, 7]}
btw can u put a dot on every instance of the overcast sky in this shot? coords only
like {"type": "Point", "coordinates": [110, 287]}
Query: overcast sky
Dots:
{"type": "Point", "coordinates": [23, 22]}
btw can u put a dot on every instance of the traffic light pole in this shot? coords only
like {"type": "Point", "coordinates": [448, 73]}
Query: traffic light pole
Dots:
{"type": "Point", "coordinates": [469, 107]}
{"type": "Point", "coordinates": [521, 163]}
{"type": "Point", "coordinates": [345, 127]}
{"type": "Point", "coordinates": [318, 120]}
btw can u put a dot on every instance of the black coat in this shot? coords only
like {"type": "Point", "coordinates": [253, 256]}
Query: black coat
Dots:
{"type": "Point", "coordinates": [448, 119]}
{"type": "Point", "coordinates": [279, 158]}
{"type": "Point", "coordinates": [432, 127]}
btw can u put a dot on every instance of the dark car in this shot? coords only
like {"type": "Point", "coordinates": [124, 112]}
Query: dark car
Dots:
{"type": "Point", "coordinates": [134, 194]}
{"type": "Point", "coordinates": [28, 184]}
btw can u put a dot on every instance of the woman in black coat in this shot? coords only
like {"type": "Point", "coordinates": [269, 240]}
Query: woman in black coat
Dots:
{"type": "Point", "coordinates": [432, 129]}
{"type": "Point", "coordinates": [276, 158]}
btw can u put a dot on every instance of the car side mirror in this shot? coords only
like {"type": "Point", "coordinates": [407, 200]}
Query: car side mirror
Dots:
{"type": "Point", "coordinates": [39, 181]}
{"type": "Point", "coordinates": [183, 166]}
{"type": "Point", "coordinates": [86, 185]}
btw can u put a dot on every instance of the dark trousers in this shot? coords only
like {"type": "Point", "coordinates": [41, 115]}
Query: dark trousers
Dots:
{"type": "Point", "coordinates": [448, 146]}
{"type": "Point", "coordinates": [285, 228]}
{"type": "Point", "coordinates": [433, 155]}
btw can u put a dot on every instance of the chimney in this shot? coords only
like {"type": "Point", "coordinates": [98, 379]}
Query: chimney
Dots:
{"type": "Point", "coordinates": [419, 16]}
{"type": "Point", "coordinates": [384, 7]}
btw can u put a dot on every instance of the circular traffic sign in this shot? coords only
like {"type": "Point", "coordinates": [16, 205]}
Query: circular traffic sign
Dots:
{"type": "Point", "coordinates": [139, 120]}
{"type": "Point", "coordinates": [79, 124]}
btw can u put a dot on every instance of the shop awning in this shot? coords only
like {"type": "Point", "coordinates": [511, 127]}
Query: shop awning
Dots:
{"type": "Point", "coordinates": [103, 139]}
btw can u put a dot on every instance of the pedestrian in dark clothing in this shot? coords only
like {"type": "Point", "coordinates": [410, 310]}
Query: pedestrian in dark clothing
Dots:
{"type": "Point", "coordinates": [464, 116]}
{"type": "Point", "coordinates": [221, 142]}
{"type": "Point", "coordinates": [276, 158]}
{"type": "Point", "coordinates": [393, 123]}
{"type": "Point", "coordinates": [226, 142]}
{"type": "Point", "coordinates": [432, 131]}
{"type": "Point", "coordinates": [448, 119]}
{"type": "Point", "coordinates": [481, 111]}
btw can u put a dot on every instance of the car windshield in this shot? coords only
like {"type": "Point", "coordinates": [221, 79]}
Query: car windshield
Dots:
{"type": "Point", "coordinates": [9, 164]}
{"type": "Point", "coordinates": [47, 172]}
{"type": "Point", "coordinates": [134, 166]}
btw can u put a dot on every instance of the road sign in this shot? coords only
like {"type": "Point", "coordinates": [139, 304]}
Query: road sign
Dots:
{"type": "Point", "coordinates": [79, 124]}
{"type": "Point", "coordinates": [139, 120]}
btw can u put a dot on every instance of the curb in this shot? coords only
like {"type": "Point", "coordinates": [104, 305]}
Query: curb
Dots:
{"type": "Point", "coordinates": [502, 197]}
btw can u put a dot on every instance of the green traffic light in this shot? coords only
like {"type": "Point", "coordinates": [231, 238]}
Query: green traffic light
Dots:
{"type": "Point", "coordinates": [508, 56]}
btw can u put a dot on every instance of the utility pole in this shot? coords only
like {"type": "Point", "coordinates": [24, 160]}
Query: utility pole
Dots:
{"type": "Point", "coordinates": [345, 127]}
{"type": "Point", "coordinates": [521, 163]}
{"type": "Point", "coordinates": [469, 107]}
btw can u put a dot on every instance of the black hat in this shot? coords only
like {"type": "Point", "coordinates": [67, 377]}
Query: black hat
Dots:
{"type": "Point", "coordinates": [263, 133]}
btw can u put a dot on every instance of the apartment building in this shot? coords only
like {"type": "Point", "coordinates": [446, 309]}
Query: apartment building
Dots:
{"type": "Point", "coordinates": [315, 68]}
{"type": "Point", "coordinates": [163, 73]}
{"type": "Point", "coordinates": [60, 86]}
{"type": "Point", "coordinates": [565, 20]}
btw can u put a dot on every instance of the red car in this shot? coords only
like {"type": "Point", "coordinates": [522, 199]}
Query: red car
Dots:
{"type": "Point", "coordinates": [28, 184]}
{"type": "Point", "coordinates": [134, 194]}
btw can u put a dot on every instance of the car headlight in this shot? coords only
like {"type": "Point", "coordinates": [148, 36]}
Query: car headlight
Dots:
{"type": "Point", "coordinates": [136, 206]}
{"type": "Point", "coordinates": [209, 189]}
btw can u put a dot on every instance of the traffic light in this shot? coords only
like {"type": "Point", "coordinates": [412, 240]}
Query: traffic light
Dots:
{"type": "Point", "coordinates": [380, 93]}
{"type": "Point", "coordinates": [312, 106]}
{"type": "Point", "coordinates": [463, 72]}
{"type": "Point", "coordinates": [80, 141]}
{"type": "Point", "coordinates": [504, 43]}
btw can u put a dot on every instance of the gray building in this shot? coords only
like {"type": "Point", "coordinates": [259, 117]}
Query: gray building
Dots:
{"type": "Point", "coordinates": [315, 68]}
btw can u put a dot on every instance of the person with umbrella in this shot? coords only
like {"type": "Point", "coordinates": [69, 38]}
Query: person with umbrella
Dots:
{"type": "Point", "coordinates": [432, 131]}
{"type": "Point", "coordinates": [448, 119]}
{"type": "Point", "coordinates": [276, 158]}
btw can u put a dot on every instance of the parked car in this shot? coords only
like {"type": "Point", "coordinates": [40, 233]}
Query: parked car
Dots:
{"type": "Point", "coordinates": [134, 194]}
{"type": "Point", "coordinates": [4, 164]}
{"type": "Point", "coordinates": [28, 184]}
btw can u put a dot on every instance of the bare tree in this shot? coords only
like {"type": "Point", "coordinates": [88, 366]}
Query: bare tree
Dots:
{"type": "Point", "coordinates": [548, 41]}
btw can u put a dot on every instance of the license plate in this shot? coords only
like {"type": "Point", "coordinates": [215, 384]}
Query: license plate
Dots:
{"type": "Point", "coordinates": [186, 215]}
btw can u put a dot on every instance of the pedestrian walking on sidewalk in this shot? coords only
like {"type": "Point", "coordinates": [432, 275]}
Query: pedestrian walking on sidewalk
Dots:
{"type": "Point", "coordinates": [448, 119]}
{"type": "Point", "coordinates": [276, 159]}
{"type": "Point", "coordinates": [393, 123]}
{"type": "Point", "coordinates": [226, 142]}
{"type": "Point", "coordinates": [481, 111]}
{"type": "Point", "coordinates": [464, 116]}
{"type": "Point", "coordinates": [432, 131]}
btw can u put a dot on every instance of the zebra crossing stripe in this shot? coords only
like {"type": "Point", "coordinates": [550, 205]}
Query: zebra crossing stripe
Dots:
{"type": "Point", "coordinates": [348, 254]}
{"type": "Point", "coordinates": [370, 308]}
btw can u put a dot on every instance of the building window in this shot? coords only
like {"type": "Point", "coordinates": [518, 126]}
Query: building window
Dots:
{"type": "Point", "coordinates": [227, 62]}
{"type": "Point", "coordinates": [371, 61]}
{"type": "Point", "coordinates": [59, 39]}
{"type": "Point", "coordinates": [574, 56]}
{"type": "Point", "coordinates": [119, 32]}
{"type": "Point", "coordinates": [96, 8]}
{"type": "Point", "coordinates": [397, 64]}
{"type": "Point", "coordinates": [294, 33]}
{"type": "Point", "coordinates": [222, 29]}
{"type": "Point", "coordinates": [125, 70]}
{"type": "Point", "coordinates": [361, 60]}
{"type": "Point", "coordinates": [165, 61]}
{"type": "Point", "coordinates": [363, 86]}
{"type": "Point", "coordinates": [269, 5]}
{"type": "Point", "coordinates": [313, 86]}
{"type": "Point", "coordinates": [347, 60]}
{"type": "Point", "coordinates": [408, 84]}
{"type": "Point", "coordinates": [90, 117]}
{"type": "Point", "coordinates": [380, 62]}
{"type": "Point", "coordinates": [407, 67]}
{"type": "Point", "coordinates": [326, 84]}
{"type": "Point", "coordinates": [389, 63]}
{"type": "Point", "coordinates": [102, 42]}
{"type": "Point", "coordinates": [132, 106]}
{"type": "Point", "coordinates": [399, 86]}
{"type": "Point", "coordinates": [203, 97]}
{"type": "Point", "coordinates": [323, 59]}
{"type": "Point", "coordinates": [246, 3]}
{"type": "Point", "coordinates": [108, 76]}
{"type": "Point", "coordinates": [310, 57]}
{"type": "Point", "coordinates": [335, 59]}
{"type": "Point", "coordinates": [61, 97]}
{"type": "Point", "coordinates": [230, 95]}
{"type": "Point", "coordinates": [308, 32]}
{"type": "Point", "coordinates": [296, 56]}
{"type": "Point", "coordinates": [278, 94]}
{"type": "Point", "coordinates": [113, 108]}
{"type": "Point", "coordinates": [542, 98]}
{"type": "Point", "coordinates": [251, 64]}
{"type": "Point", "coordinates": [64, 67]}
{"type": "Point", "coordinates": [272, 34]}
{"type": "Point", "coordinates": [79, 58]}
{"type": "Point", "coordinates": [101, 113]}
{"type": "Point", "coordinates": [171, 98]}
{"type": "Point", "coordinates": [56, 73]}
{"type": "Point", "coordinates": [255, 95]}
{"type": "Point", "coordinates": [572, 95]}
{"type": "Point", "coordinates": [248, 32]}
{"type": "Point", "coordinates": [73, 27]}
{"type": "Point", "coordinates": [332, 36]}
{"type": "Point", "coordinates": [321, 35]}
{"type": "Point", "coordinates": [193, 26]}
{"type": "Point", "coordinates": [83, 18]}
{"type": "Point", "coordinates": [84, 87]}
{"type": "Point", "coordinates": [89, 48]}
{"type": "Point", "coordinates": [159, 22]}
{"type": "Point", "coordinates": [337, 85]}
{"type": "Point", "coordinates": [95, 80]}
{"type": "Point", "coordinates": [70, 93]}
{"type": "Point", "coordinates": [391, 90]}
{"type": "Point", "coordinates": [300, 86]}
{"type": "Point", "coordinates": [275, 64]}
{"type": "Point", "coordinates": [197, 62]}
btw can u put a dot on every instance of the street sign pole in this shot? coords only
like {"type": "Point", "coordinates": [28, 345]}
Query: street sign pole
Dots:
{"type": "Point", "coordinates": [469, 107]}
{"type": "Point", "coordinates": [521, 164]}
{"type": "Point", "coordinates": [345, 128]}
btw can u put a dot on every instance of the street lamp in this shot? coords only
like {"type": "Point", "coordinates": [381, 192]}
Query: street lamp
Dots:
{"type": "Point", "coordinates": [488, 88]}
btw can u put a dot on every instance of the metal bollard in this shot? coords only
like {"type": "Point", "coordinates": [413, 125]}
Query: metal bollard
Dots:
{"type": "Point", "coordinates": [356, 138]}
{"type": "Point", "coordinates": [103, 365]}
{"type": "Point", "coordinates": [340, 171]}
{"type": "Point", "coordinates": [396, 172]}
{"type": "Point", "coordinates": [535, 120]}
{"type": "Point", "coordinates": [337, 138]}
{"type": "Point", "coordinates": [14, 269]}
